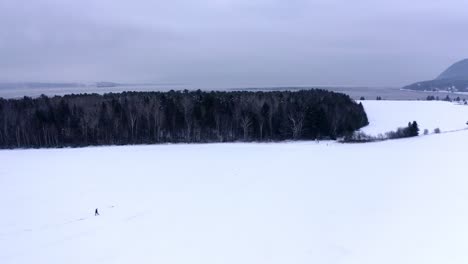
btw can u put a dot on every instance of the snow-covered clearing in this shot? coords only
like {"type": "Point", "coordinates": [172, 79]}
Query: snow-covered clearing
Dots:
{"type": "Point", "coordinates": [387, 116]}
{"type": "Point", "coordinates": [399, 201]}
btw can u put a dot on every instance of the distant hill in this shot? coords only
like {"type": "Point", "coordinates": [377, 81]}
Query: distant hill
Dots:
{"type": "Point", "coordinates": [458, 71]}
{"type": "Point", "coordinates": [454, 79]}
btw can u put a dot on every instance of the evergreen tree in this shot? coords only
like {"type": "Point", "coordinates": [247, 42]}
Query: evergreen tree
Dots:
{"type": "Point", "coordinates": [414, 129]}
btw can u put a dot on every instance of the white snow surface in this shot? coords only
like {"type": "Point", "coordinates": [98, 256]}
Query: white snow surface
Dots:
{"type": "Point", "coordinates": [400, 201]}
{"type": "Point", "coordinates": [385, 116]}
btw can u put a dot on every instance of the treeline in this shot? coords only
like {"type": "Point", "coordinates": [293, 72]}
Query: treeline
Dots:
{"type": "Point", "coordinates": [412, 130]}
{"type": "Point", "coordinates": [176, 116]}
{"type": "Point", "coordinates": [447, 99]}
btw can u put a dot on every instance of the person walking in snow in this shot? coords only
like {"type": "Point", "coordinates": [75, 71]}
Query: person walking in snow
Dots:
{"type": "Point", "coordinates": [96, 213]}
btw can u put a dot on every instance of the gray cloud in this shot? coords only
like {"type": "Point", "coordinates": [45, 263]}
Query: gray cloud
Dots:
{"type": "Point", "coordinates": [227, 42]}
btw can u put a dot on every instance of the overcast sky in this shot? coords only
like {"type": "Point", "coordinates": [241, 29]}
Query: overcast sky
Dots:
{"type": "Point", "coordinates": [232, 42]}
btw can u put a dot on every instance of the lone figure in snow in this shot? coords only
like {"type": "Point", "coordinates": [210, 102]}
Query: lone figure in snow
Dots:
{"type": "Point", "coordinates": [96, 213]}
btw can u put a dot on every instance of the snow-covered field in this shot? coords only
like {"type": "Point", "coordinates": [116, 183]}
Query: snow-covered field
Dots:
{"type": "Point", "coordinates": [386, 116]}
{"type": "Point", "coordinates": [401, 201]}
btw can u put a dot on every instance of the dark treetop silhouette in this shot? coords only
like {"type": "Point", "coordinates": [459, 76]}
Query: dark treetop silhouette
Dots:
{"type": "Point", "coordinates": [176, 116]}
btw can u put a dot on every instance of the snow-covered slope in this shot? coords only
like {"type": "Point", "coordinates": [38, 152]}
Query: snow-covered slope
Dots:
{"type": "Point", "coordinates": [386, 116]}
{"type": "Point", "coordinates": [400, 201]}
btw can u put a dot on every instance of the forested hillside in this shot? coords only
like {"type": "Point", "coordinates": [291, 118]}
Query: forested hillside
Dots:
{"type": "Point", "coordinates": [176, 116]}
{"type": "Point", "coordinates": [453, 79]}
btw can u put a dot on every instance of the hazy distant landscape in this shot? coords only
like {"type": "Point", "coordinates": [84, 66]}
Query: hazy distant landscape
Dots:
{"type": "Point", "coordinates": [453, 79]}
{"type": "Point", "coordinates": [387, 93]}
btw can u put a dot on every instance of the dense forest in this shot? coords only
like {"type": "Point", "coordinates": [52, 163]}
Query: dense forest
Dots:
{"type": "Point", "coordinates": [176, 116]}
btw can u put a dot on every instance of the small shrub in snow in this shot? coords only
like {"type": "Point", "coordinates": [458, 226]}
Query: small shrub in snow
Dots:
{"type": "Point", "coordinates": [426, 131]}
{"type": "Point", "coordinates": [437, 130]}
{"type": "Point", "coordinates": [411, 130]}
{"type": "Point", "coordinates": [358, 137]}
{"type": "Point", "coordinates": [380, 137]}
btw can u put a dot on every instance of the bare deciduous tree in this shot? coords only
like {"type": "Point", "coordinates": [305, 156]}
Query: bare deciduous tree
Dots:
{"type": "Point", "coordinates": [245, 123]}
{"type": "Point", "coordinates": [187, 105]}
{"type": "Point", "coordinates": [297, 123]}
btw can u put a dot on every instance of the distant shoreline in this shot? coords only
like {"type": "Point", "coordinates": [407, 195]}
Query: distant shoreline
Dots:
{"type": "Point", "coordinates": [355, 92]}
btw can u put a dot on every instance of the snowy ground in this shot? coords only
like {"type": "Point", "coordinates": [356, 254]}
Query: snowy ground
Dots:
{"type": "Point", "coordinates": [387, 116]}
{"type": "Point", "coordinates": [400, 201]}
